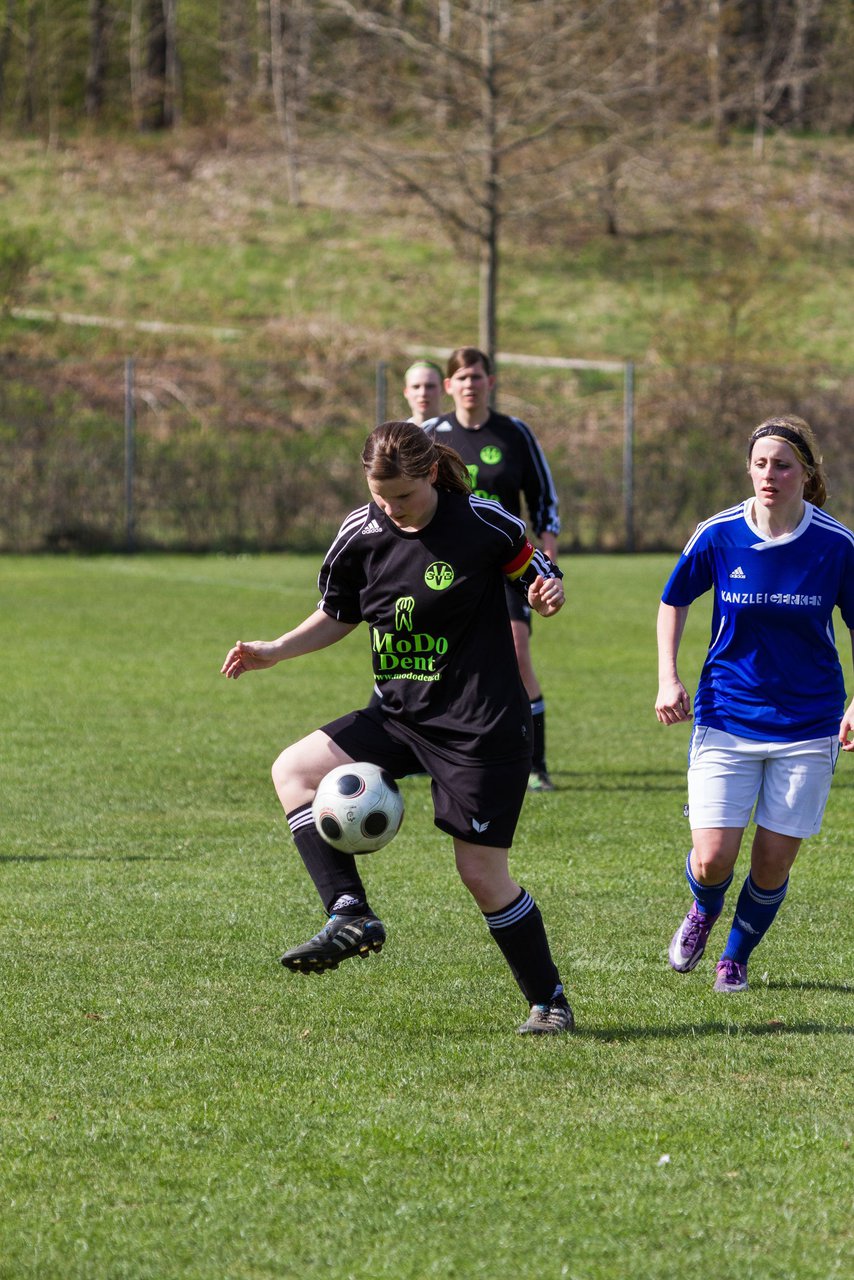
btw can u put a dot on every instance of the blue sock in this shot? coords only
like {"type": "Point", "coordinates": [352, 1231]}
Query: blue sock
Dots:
{"type": "Point", "coordinates": [708, 897]}
{"type": "Point", "coordinates": [754, 915]}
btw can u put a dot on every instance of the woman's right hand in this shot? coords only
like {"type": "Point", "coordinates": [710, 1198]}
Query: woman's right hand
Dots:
{"type": "Point", "coordinates": [249, 655]}
{"type": "Point", "coordinates": [673, 704]}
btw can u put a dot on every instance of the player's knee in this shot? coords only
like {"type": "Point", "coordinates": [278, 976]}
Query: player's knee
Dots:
{"type": "Point", "coordinates": [712, 864]}
{"type": "Point", "coordinates": [282, 771]}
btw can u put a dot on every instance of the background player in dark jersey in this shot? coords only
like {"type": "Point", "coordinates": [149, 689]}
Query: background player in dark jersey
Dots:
{"type": "Point", "coordinates": [422, 390]}
{"type": "Point", "coordinates": [424, 565]}
{"type": "Point", "coordinates": [504, 461]}
{"type": "Point", "coordinates": [770, 707]}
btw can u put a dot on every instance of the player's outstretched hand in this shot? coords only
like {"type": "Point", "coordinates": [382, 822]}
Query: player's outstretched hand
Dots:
{"type": "Point", "coordinates": [673, 704]}
{"type": "Point", "coordinates": [255, 655]}
{"type": "Point", "coordinates": [546, 596]}
{"type": "Point", "coordinates": [846, 730]}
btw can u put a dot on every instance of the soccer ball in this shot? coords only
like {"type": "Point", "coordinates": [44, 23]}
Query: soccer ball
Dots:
{"type": "Point", "coordinates": [357, 808]}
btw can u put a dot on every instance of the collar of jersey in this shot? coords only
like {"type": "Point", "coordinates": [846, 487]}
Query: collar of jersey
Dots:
{"type": "Point", "coordinates": [764, 541]}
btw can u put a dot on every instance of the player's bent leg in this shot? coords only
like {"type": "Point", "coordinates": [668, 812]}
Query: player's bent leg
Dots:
{"type": "Point", "coordinates": [516, 925]}
{"type": "Point", "coordinates": [759, 901]}
{"type": "Point", "coordinates": [484, 871]}
{"type": "Point", "coordinates": [772, 857]}
{"type": "Point", "coordinates": [297, 771]}
{"type": "Point", "coordinates": [708, 870]}
{"type": "Point", "coordinates": [353, 929]}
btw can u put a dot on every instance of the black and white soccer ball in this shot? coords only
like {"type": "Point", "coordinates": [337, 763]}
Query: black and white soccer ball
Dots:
{"type": "Point", "coordinates": [358, 808]}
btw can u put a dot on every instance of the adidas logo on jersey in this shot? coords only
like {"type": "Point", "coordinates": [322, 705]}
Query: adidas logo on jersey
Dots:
{"type": "Point", "coordinates": [373, 527]}
{"type": "Point", "coordinates": [738, 573]}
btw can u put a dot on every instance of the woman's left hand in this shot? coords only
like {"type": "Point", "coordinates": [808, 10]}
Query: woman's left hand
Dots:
{"type": "Point", "coordinates": [546, 596]}
{"type": "Point", "coordinates": [846, 730]}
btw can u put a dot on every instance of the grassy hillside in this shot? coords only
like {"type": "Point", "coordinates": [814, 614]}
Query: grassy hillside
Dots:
{"type": "Point", "coordinates": [722, 255]}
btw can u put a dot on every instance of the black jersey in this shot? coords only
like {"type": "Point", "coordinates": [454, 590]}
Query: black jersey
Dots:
{"type": "Point", "coordinates": [504, 461]}
{"type": "Point", "coordinates": [440, 636]}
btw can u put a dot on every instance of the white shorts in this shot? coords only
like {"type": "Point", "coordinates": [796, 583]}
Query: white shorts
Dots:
{"type": "Point", "coordinates": [788, 782]}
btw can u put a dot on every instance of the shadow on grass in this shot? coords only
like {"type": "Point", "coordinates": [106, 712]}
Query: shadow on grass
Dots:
{"type": "Point", "coordinates": [771, 1028]}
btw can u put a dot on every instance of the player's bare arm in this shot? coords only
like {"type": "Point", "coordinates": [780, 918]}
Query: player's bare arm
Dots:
{"type": "Point", "coordinates": [673, 703]}
{"type": "Point", "coordinates": [846, 728]}
{"type": "Point", "coordinates": [317, 631]}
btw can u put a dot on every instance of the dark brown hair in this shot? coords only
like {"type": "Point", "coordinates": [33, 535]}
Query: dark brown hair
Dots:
{"type": "Point", "coordinates": [396, 449]}
{"type": "Point", "coordinates": [800, 438]}
{"type": "Point", "coordinates": [464, 357]}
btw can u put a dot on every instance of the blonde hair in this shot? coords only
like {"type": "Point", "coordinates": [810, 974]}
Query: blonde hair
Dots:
{"type": "Point", "coordinates": [801, 439]}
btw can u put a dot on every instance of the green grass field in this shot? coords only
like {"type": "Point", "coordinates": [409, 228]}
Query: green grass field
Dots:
{"type": "Point", "coordinates": [175, 1105]}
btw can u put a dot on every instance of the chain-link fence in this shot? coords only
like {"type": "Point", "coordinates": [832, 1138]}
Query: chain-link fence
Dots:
{"type": "Point", "coordinates": [232, 455]}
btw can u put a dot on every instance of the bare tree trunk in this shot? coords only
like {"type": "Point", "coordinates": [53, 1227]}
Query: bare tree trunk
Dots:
{"type": "Point", "coordinates": [652, 73]}
{"type": "Point", "coordinates": [171, 70]}
{"type": "Point", "coordinates": [237, 58]}
{"type": "Point", "coordinates": [153, 109]}
{"type": "Point", "coordinates": [444, 71]}
{"type": "Point", "coordinates": [713, 62]}
{"type": "Point", "coordinates": [96, 66]}
{"type": "Point", "coordinates": [160, 97]}
{"type": "Point", "coordinates": [489, 253]}
{"type": "Point", "coordinates": [5, 49]}
{"type": "Point", "coordinates": [135, 63]}
{"type": "Point", "coordinates": [265, 75]}
{"type": "Point", "coordinates": [759, 114]}
{"type": "Point", "coordinates": [27, 95]}
{"type": "Point", "coordinates": [805, 11]}
{"type": "Point", "coordinates": [608, 191]}
{"type": "Point", "coordinates": [284, 99]}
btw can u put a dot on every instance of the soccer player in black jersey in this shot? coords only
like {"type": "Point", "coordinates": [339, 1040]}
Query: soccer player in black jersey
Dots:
{"type": "Point", "coordinates": [504, 461]}
{"type": "Point", "coordinates": [424, 565]}
{"type": "Point", "coordinates": [422, 390]}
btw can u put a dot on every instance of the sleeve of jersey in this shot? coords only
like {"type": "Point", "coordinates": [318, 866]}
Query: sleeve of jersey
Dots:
{"type": "Point", "coordinates": [340, 579]}
{"type": "Point", "coordinates": [540, 492]}
{"type": "Point", "coordinates": [528, 564]}
{"type": "Point", "coordinates": [691, 577]}
{"type": "Point", "coordinates": [846, 594]}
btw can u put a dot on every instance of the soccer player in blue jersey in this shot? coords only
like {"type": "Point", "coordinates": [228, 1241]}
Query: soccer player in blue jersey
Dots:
{"type": "Point", "coordinates": [505, 462]}
{"type": "Point", "coordinates": [424, 565]}
{"type": "Point", "coordinates": [769, 713]}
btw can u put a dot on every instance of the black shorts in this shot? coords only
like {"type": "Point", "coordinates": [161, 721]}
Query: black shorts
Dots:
{"type": "Point", "coordinates": [517, 606]}
{"type": "Point", "coordinates": [477, 801]}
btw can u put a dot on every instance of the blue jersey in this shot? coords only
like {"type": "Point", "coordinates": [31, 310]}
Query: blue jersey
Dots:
{"type": "Point", "coordinates": [772, 671]}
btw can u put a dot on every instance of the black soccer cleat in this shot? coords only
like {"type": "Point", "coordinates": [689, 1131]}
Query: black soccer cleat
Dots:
{"type": "Point", "coordinates": [339, 939]}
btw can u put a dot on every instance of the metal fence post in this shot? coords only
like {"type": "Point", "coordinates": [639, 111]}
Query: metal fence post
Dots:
{"type": "Point", "coordinates": [130, 455]}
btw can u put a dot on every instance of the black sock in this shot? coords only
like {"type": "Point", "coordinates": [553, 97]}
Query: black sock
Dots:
{"type": "Point", "coordinates": [538, 719]}
{"type": "Point", "coordinates": [334, 873]}
{"type": "Point", "coordinates": [519, 931]}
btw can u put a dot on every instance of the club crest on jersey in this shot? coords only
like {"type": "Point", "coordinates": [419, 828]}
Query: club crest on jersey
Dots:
{"type": "Point", "coordinates": [438, 575]}
{"type": "Point", "coordinates": [490, 454]}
